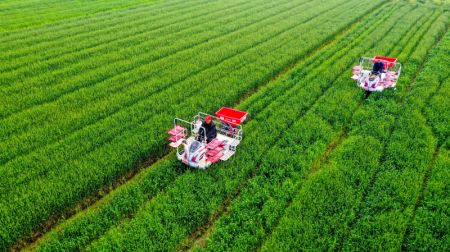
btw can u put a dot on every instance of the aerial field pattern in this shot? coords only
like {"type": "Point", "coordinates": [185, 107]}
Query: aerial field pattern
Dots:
{"type": "Point", "coordinates": [88, 90]}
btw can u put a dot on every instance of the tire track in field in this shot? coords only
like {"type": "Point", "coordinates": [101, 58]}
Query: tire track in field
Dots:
{"type": "Point", "coordinates": [123, 181]}
{"type": "Point", "coordinates": [71, 49]}
{"type": "Point", "coordinates": [341, 138]}
{"type": "Point", "coordinates": [31, 241]}
{"type": "Point", "coordinates": [199, 236]}
{"type": "Point", "coordinates": [65, 89]}
{"type": "Point", "coordinates": [195, 90]}
{"type": "Point", "coordinates": [110, 19]}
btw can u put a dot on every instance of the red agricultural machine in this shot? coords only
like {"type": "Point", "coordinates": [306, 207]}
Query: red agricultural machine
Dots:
{"type": "Point", "coordinates": [377, 73]}
{"type": "Point", "coordinates": [207, 139]}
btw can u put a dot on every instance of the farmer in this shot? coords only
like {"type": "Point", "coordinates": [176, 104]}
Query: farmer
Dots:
{"type": "Point", "coordinates": [210, 127]}
{"type": "Point", "coordinates": [378, 67]}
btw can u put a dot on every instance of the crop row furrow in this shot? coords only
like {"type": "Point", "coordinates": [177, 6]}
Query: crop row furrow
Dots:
{"type": "Point", "coordinates": [420, 196]}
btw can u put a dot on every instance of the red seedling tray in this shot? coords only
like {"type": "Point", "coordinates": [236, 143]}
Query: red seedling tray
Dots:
{"type": "Point", "coordinates": [176, 130]}
{"type": "Point", "coordinates": [175, 138]}
{"type": "Point", "coordinates": [231, 116]}
{"type": "Point", "coordinates": [214, 144]}
{"type": "Point", "coordinates": [388, 62]}
{"type": "Point", "coordinates": [215, 158]}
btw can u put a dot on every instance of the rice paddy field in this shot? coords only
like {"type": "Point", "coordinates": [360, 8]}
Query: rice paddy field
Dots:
{"type": "Point", "coordinates": [88, 90]}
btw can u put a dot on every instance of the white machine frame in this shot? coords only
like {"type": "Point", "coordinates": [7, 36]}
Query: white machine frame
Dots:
{"type": "Point", "coordinates": [364, 78]}
{"type": "Point", "coordinates": [231, 136]}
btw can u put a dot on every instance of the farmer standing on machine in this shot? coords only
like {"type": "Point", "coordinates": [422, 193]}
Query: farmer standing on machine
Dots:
{"type": "Point", "coordinates": [210, 127]}
{"type": "Point", "coordinates": [378, 67]}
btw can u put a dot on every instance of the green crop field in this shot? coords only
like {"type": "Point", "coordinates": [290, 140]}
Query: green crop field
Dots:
{"type": "Point", "coordinates": [88, 90]}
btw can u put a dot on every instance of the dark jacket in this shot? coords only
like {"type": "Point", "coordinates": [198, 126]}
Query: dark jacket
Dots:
{"type": "Point", "coordinates": [211, 131]}
{"type": "Point", "coordinates": [378, 67]}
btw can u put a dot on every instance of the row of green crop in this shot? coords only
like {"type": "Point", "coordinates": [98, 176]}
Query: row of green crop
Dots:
{"type": "Point", "coordinates": [437, 112]}
{"type": "Point", "coordinates": [306, 141]}
{"type": "Point", "coordinates": [65, 179]}
{"type": "Point", "coordinates": [17, 15]}
{"type": "Point", "coordinates": [123, 194]}
{"type": "Point", "coordinates": [58, 52]}
{"type": "Point", "coordinates": [329, 204]}
{"type": "Point", "coordinates": [54, 121]}
{"type": "Point", "coordinates": [431, 225]}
